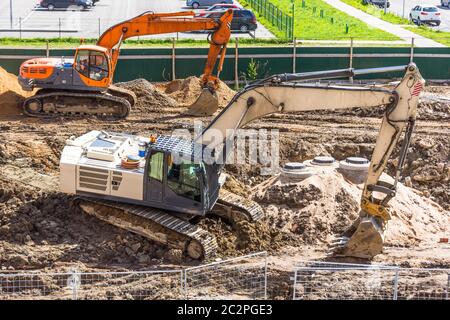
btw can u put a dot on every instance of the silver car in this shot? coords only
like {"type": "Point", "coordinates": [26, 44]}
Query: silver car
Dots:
{"type": "Point", "coordinates": [205, 3]}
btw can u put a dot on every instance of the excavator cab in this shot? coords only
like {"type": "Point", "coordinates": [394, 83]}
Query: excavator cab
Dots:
{"type": "Point", "coordinates": [175, 182]}
{"type": "Point", "coordinates": [92, 66]}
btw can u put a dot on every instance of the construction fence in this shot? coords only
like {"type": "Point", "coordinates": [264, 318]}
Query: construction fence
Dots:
{"type": "Point", "coordinates": [239, 278]}
{"type": "Point", "coordinates": [244, 277]}
{"type": "Point", "coordinates": [243, 65]}
{"type": "Point", "coordinates": [274, 15]}
{"type": "Point", "coordinates": [343, 281]}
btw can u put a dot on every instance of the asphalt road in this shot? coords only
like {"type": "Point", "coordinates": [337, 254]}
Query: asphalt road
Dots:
{"type": "Point", "coordinates": [397, 7]}
{"type": "Point", "coordinates": [29, 17]}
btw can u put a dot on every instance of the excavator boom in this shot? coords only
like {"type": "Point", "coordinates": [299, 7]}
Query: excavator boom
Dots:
{"type": "Point", "coordinates": [150, 23]}
{"type": "Point", "coordinates": [284, 94]}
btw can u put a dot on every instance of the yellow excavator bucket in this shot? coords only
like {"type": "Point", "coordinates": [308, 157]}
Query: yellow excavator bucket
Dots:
{"type": "Point", "coordinates": [364, 239]}
{"type": "Point", "coordinates": [206, 104]}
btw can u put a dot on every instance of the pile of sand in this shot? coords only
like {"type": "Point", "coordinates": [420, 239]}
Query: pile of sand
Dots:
{"type": "Point", "coordinates": [186, 91]}
{"type": "Point", "coordinates": [324, 205]}
{"type": "Point", "coordinates": [11, 94]}
{"type": "Point", "coordinates": [149, 98]}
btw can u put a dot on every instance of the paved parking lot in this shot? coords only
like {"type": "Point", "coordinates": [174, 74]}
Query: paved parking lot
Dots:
{"type": "Point", "coordinates": [33, 20]}
{"type": "Point", "coordinates": [397, 7]}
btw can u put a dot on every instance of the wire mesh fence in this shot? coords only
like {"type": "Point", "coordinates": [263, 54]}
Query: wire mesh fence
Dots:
{"type": "Point", "coordinates": [423, 284]}
{"type": "Point", "coordinates": [239, 278]}
{"type": "Point", "coordinates": [136, 285]}
{"type": "Point", "coordinates": [274, 15]}
{"type": "Point", "coordinates": [242, 277]}
{"type": "Point", "coordinates": [344, 281]}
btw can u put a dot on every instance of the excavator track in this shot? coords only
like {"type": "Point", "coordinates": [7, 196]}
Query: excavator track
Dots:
{"type": "Point", "coordinates": [123, 93]}
{"type": "Point", "coordinates": [163, 227]}
{"type": "Point", "coordinates": [75, 104]}
{"type": "Point", "coordinates": [251, 210]}
{"type": "Point", "coordinates": [172, 229]}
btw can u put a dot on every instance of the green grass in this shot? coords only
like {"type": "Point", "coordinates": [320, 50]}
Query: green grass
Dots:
{"type": "Point", "coordinates": [154, 43]}
{"type": "Point", "coordinates": [377, 12]}
{"type": "Point", "coordinates": [309, 25]}
{"type": "Point", "coordinates": [436, 35]}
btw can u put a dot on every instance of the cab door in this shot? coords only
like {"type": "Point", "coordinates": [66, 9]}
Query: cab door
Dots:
{"type": "Point", "coordinates": [91, 69]}
{"type": "Point", "coordinates": [154, 177]}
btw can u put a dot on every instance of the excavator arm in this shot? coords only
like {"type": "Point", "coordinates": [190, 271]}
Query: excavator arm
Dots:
{"type": "Point", "coordinates": [290, 93]}
{"type": "Point", "coordinates": [150, 23]}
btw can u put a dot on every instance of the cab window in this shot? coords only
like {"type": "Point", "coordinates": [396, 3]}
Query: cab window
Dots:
{"type": "Point", "coordinates": [156, 164]}
{"type": "Point", "coordinates": [182, 179]}
{"type": "Point", "coordinates": [98, 67]}
{"type": "Point", "coordinates": [82, 62]}
{"type": "Point", "coordinates": [92, 64]}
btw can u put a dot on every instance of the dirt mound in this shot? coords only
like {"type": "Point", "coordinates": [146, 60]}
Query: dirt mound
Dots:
{"type": "Point", "coordinates": [11, 94]}
{"type": "Point", "coordinates": [186, 91]}
{"type": "Point", "coordinates": [427, 168]}
{"type": "Point", "coordinates": [149, 97]}
{"type": "Point", "coordinates": [245, 237]}
{"type": "Point", "coordinates": [39, 229]}
{"type": "Point", "coordinates": [324, 205]}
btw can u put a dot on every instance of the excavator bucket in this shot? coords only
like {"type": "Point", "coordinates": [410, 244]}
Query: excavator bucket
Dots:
{"type": "Point", "coordinates": [206, 104]}
{"type": "Point", "coordinates": [364, 239]}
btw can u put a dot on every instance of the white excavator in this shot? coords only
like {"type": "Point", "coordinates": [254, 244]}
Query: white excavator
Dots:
{"type": "Point", "coordinates": [135, 183]}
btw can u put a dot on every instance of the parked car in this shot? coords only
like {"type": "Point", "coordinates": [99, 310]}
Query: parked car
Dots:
{"type": "Point", "coordinates": [205, 3]}
{"type": "Point", "coordinates": [64, 4]}
{"type": "Point", "coordinates": [243, 20]}
{"type": "Point", "coordinates": [445, 3]}
{"type": "Point", "coordinates": [425, 14]}
{"type": "Point", "coordinates": [378, 3]}
{"type": "Point", "coordinates": [219, 7]}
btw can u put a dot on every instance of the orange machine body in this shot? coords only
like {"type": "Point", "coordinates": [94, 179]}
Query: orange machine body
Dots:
{"type": "Point", "coordinates": [93, 66]}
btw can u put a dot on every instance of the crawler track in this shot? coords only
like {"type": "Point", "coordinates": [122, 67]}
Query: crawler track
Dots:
{"type": "Point", "coordinates": [172, 229]}
{"type": "Point", "coordinates": [116, 102]}
{"type": "Point", "coordinates": [155, 224]}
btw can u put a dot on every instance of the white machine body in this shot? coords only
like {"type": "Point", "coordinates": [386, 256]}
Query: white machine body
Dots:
{"type": "Point", "coordinates": [92, 163]}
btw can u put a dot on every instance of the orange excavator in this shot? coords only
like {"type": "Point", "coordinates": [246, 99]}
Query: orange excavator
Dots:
{"type": "Point", "coordinates": [83, 85]}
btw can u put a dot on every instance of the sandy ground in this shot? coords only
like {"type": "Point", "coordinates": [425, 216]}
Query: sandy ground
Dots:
{"type": "Point", "coordinates": [41, 229]}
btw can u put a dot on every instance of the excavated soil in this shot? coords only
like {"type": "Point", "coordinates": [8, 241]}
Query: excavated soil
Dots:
{"type": "Point", "coordinates": [41, 229]}
{"type": "Point", "coordinates": [171, 97]}
{"type": "Point", "coordinates": [186, 91]}
{"type": "Point", "coordinates": [11, 94]}
{"type": "Point", "coordinates": [149, 97]}
{"type": "Point", "coordinates": [324, 205]}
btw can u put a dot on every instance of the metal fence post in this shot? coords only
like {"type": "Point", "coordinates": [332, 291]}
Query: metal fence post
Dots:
{"type": "Point", "coordinates": [47, 49]}
{"type": "Point", "coordinates": [185, 285]}
{"type": "Point", "coordinates": [411, 58]}
{"type": "Point", "coordinates": [173, 59]}
{"type": "Point", "coordinates": [60, 28]}
{"type": "Point", "coordinates": [99, 27]}
{"type": "Point", "coordinates": [293, 21]}
{"type": "Point", "coordinates": [182, 293]}
{"type": "Point", "coordinates": [265, 276]}
{"type": "Point", "coordinates": [295, 284]}
{"type": "Point", "coordinates": [236, 65]}
{"type": "Point", "coordinates": [73, 281]}
{"type": "Point", "coordinates": [395, 297]}
{"type": "Point", "coordinates": [294, 56]}
{"type": "Point", "coordinates": [447, 293]}
{"type": "Point", "coordinates": [20, 28]}
{"type": "Point", "coordinates": [351, 57]}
